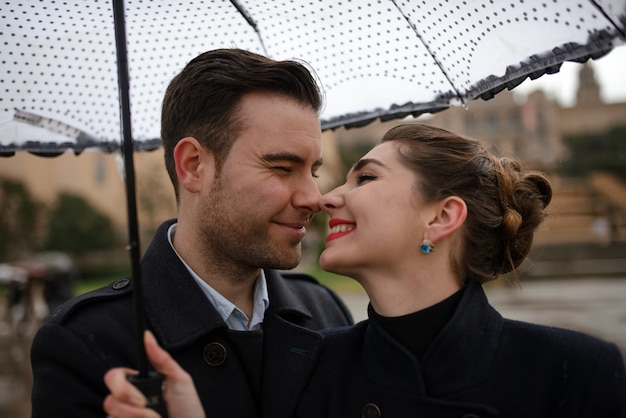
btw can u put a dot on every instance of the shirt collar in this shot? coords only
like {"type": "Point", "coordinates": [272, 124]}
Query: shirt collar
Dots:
{"type": "Point", "coordinates": [234, 318]}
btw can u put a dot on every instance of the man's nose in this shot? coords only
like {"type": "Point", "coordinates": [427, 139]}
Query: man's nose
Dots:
{"type": "Point", "coordinates": [307, 195]}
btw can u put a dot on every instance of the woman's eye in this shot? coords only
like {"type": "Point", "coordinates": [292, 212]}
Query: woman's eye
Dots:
{"type": "Point", "coordinates": [362, 178]}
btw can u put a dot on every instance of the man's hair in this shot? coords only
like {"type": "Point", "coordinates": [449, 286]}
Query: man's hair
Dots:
{"type": "Point", "coordinates": [202, 101]}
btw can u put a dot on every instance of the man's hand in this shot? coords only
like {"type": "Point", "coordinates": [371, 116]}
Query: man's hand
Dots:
{"type": "Point", "coordinates": [179, 392]}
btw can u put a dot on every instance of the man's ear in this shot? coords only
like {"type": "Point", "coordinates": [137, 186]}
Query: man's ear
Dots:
{"type": "Point", "coordinates": [192, 162]}
{"type": "Point", "coordinates": [450, 215]}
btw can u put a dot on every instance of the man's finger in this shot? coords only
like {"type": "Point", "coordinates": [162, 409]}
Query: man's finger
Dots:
{"type": "Point", "coordinates": [117, 381]}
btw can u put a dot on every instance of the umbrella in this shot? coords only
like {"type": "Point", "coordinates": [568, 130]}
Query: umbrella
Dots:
{"type": "Point", "coordinates": [377, 59]}
{"type": "Point", "coordinates": [72, 81]}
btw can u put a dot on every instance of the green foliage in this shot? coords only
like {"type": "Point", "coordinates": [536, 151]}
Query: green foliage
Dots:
{"type": "Point", "coordinates": [598, 152]}
{"type": "Point", "coordinates": [335, 281]}
{"type": "Point", "coordinates": [76, 227]}
{"type": "Point", "coordinates": [350, 154]}
{"type": "Point", "coordinates": [20, 216]}
{"type": "Point", "coordinates": [84, 286]}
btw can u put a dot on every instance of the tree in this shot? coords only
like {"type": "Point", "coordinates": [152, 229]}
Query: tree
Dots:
{"type": "Point", "coordinates": [76, 227]}
{"type": "Point", "coordinates": [20, 220]}
{"type": "Point", "coordinates": [605, 151]}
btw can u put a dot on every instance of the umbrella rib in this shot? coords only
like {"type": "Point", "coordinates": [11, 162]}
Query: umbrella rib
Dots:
{"type": "Point", "coordinates": [53, 125]}
{"type": "Point", "coordinates": [606, 15]}
{"type": "Point", "coordinates": [437, 62]}
{"type": "Point", "coordinates": [244, 13]}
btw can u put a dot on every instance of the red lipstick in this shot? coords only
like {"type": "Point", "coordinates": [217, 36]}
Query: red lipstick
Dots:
{"type": "Point", "coordinates": [339, 228]}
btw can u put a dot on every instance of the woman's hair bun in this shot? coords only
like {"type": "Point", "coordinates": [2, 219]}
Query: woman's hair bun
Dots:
{"type": "Point", "coordinates": [525, 196]}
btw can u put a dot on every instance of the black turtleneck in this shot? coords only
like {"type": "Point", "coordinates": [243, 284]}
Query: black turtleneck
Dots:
{"type": "Point", "coordinates": [417, 330]}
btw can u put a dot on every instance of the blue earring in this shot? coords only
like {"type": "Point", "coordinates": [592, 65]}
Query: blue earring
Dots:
{"type": "Point", "coordinates": [427, 246]}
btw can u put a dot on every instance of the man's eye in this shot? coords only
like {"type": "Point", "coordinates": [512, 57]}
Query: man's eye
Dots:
{"type": "Point", "coordinates": [315, 174]}
{"type": "Point", "coordinates": [362, 178]}
{"type": "Point", "coordinates": [282, 168]}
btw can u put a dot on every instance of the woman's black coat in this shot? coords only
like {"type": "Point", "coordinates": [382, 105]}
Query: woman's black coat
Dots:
{"type": "Point", "coordinates": [480, 365]}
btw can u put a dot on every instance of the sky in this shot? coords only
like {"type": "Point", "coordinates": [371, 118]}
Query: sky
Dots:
{"type": "Point", "coordinates": [610, 72]}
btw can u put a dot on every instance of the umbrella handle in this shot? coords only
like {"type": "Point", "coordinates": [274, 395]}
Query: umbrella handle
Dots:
{"type": "Point", "coordinates": [151, 387]}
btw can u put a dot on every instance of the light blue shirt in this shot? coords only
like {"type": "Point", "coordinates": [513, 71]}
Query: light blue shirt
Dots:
{"type": "Point", "coordinates": [234, 317]}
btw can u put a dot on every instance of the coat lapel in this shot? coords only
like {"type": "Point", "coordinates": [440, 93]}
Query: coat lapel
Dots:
{"type": "Point", "coordinates": [459, 358]}
{"type": "Point", "coordinates": [290, 351]}
{"type": "Point", "coordinates": [463, 354]}
{"type": "Point", "coordinates": [289, 356]}
{"type": "Point", "coordinates": [178, 311]}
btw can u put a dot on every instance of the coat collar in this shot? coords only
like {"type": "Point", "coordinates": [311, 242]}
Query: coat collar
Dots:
{"type": "Point", "coordinates": [461, 356]}
{"type": "Point", "coordinates": [176, 307]}
{"type": "Point", "coordinates": [283, 301]}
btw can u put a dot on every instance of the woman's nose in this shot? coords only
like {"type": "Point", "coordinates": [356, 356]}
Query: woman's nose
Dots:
{"type": "Point", "coordinates": [331, 200]}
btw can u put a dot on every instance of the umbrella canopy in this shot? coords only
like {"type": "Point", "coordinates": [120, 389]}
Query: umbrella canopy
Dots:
{"type": "Point", "coordinates": [376, 60]}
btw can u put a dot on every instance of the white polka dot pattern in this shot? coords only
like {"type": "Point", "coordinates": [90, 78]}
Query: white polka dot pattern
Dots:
{"type": "Point", "coordinates": [374, 59]}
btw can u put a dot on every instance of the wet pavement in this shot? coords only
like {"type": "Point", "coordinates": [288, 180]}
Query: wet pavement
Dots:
{"type": "Point", "coordinates": [596, 306]}
{"type": "Point", "coordinates": [15, 372]}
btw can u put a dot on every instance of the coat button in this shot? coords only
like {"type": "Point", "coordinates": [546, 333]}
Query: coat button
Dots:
{"type": "Point", "coordinates": [120, 284]}
{"type": "Point", "coordinates": [371, 411]}
{"type": "Point", "coordinates": [214, 354]}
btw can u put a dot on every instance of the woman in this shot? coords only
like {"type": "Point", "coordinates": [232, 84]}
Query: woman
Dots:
{"type": "Point", "coordinates": [423, 220]}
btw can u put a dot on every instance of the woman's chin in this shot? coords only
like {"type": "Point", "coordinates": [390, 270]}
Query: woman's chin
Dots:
{"type": "Point", "coordinates": [327, 262]}
{"type": "Point", "coordinates": [332, 264]}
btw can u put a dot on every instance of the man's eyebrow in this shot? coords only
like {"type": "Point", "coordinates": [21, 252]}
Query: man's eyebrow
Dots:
{"type": "Point", "coordinates": [287, 156]}
{"type": "Point", "coordinates": [364, 162]}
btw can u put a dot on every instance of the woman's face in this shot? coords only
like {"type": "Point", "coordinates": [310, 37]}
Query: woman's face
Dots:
{"type": "Point", "coordinates": [376, 218]}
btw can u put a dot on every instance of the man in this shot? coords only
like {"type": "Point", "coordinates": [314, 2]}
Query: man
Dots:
{"type": "Point", "coordinates": [242, 144]}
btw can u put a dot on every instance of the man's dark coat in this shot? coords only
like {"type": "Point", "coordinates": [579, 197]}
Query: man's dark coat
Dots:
{"type": "Point", "coordinates": [480, 365]}
{"type": "Point", "coordinates": [94, 332]}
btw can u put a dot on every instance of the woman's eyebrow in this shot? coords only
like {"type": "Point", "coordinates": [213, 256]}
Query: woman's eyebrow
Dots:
{"type": "Point", "coordinates": [365, 161]}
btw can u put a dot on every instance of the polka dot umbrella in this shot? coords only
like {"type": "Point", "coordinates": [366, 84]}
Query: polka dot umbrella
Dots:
{"type": "Point", "coordinates": [374, 59]}
{"type": "Point", "coordinates": [91, 73]}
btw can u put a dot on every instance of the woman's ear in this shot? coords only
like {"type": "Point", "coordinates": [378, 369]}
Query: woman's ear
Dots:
{"type": "Point", "coordinates": [192, 162]}
{"type": "Point", "coordinates": [450, 215]}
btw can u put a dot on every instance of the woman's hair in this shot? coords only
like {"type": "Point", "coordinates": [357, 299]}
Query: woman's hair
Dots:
{"type": "Point", "coordinates": [505, 202]}
{"type": "Point", "coordinates": [202, 101]}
